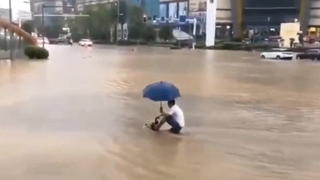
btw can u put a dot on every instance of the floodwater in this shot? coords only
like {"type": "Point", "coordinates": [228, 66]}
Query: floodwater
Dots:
{"type": "Point", "coordinates": [79, 116]}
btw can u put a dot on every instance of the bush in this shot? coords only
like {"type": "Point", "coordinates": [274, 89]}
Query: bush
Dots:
{"type": "Point", "coordinates": [34, 52]}
{"type": "Point", "coordinates": [165, 33]}
{"type": "Point", "coordinates": [149, 34]}
{"type": "Point", "coordinates": [29, 52]}
{"type": "Point", "coordinates": [122, 42]}
{"type": "Point", "coordinates": [136, 30]}
{"type": "Point", "coordinates": [231, 46]}
{"type": "Point", "coordinates": [236, 39]}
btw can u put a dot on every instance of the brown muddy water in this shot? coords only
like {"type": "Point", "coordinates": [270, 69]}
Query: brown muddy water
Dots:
{"type": "Point", "coordinates": [79, 116]}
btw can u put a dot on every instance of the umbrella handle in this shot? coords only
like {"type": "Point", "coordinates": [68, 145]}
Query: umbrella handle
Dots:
{"type": "Point", "coordinates": [160, 103]}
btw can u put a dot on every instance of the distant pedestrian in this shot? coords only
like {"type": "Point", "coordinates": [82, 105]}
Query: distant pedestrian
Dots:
{"type": "Point", "coordinates": [282, 42]}
{"type": "Point", "coordinates": [291, 42]}
{"type": "Point", "coordinates": [301, 41]}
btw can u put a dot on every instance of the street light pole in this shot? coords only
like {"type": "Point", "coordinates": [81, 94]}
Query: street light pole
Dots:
{"type": "Point", "coordinates": [11, 32]}
{"type": "Point", "coordinates": [118, 20]}
{"type": "Point", "coordinates": [43, 30]}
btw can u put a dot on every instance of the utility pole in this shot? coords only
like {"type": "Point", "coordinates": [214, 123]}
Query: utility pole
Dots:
{"type": "Point", "coordinates": [11, 32]}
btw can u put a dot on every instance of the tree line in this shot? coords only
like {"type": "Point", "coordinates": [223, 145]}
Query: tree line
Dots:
{"type": "Point", "coordinates": [100, 22]}
{"type": "Point", "coordinates": [103, 20]}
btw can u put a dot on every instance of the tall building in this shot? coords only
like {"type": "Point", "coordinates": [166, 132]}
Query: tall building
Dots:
{"type": "Point", "coordinates": [151, 7]}
{"type": "Point", "coordinates": [313, 16]}
{"type": "Point", "coordinates": [173, 9]}
{"type": "Point", "coordinates": [234, 17]}
{"type": "Point", "coordinates": [266, 16]}
{"type": "Point", "coordinates": [53, 6]}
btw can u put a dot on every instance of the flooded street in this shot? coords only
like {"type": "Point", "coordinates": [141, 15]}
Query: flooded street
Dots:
{"type": "Point", "coordinates": [79, 116]}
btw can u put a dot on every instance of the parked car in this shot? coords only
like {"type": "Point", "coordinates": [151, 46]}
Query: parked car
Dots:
{"type": "Point", "coordinates": [62, 40]}
{"type": "Point", "coordinates": [67, 41]}
{"type": "Point", "coordinates": [309, 54]}
{"type": "Point", "coordinates": [41, 39]}
{"type": "Point", "coordinates": [85, 42]}
{"type": "Point", "coordinates": [277, 53]}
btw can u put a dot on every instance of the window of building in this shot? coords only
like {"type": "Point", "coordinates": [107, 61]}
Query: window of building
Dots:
{"type": "Point", "coordinates": [272, 3]}
{"type": "Point", "coordinates": [80, 7]}
{"type": "Point", "coordinates": [183, 7]}
{"type": "Point", "coordinates": [163, 10]}
{"type": "Point", "coordinates": [173, 10]}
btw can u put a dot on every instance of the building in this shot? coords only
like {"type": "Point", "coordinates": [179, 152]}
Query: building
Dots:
{"type": "Point", "coordinates": [235, 17]}
{"type": "Point", "coordinates": [263, 16]}
{"type": "Point", "coordinates": [314, 16]}
{"type": "Point", "coordinates": [151, 7]}
{"type": "Point", "coordinates": [20, 10]}
{"type": "Point", "coordinates": [54, 6]}
{"type": "Point", "coordinates": [174, 9]}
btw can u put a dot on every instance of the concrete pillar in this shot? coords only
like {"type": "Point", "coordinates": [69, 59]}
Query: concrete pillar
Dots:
{"type": "Point", "coordinates": [237, 17]}
{"type": "Point", "coordinates": [304, 16]}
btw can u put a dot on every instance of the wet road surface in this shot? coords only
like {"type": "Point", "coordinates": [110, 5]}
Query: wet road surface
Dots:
{"type": "Point", "coordinates": [79, 116]}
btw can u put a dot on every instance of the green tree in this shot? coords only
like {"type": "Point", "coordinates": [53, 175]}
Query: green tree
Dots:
{"type": "Point", "coordinates": [97, 25]}
{"type": "Point", "coordinates": [149, 34]}
{"type": "Point", "coordinates": [136, 14]}
{"type": "Point", "coordinates": [28, 26]}
{"type": "Point", "coordinates": [165, 33]}
{"type": "Point", "coordinates": [136, 24]}
{"type": "Point", "coordinates": [102, 18]}
{"type": "Point", "coordinates": [135, 32]}
{"type": "Point", "coordinates": [79, 28]}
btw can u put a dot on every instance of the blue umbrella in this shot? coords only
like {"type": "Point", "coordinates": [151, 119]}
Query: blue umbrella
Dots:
{"type": "Point", "coordinates": [161, 91]}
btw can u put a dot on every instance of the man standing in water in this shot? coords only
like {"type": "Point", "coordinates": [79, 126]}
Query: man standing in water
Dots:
{"type": "Point", "coordinates": [174, 118]}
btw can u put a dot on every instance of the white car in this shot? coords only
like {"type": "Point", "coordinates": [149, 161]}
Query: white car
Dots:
{"type": "Point", "coordinates": [277, 54]}
{"type": "Point", "coordinates": [40, 40]}
{"type": "Point", "coordinates": [85, 42]}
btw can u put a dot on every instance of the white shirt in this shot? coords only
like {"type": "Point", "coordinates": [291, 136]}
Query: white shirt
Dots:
{"type": "Point", "coordinates": [177, 114]}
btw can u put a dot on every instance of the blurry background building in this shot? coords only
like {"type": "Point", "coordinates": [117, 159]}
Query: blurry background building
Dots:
{"type": "Point", "coordinates": [237, 17]}
{"type": "Point", "coordinates": [266, 17]}
{"type": "Point", "coordinates": [174, 9]}
{"type": "Point", "coordinates": [21, 12]}
{"type": "Point", "coordinates": [53, 7]}
{"type": "Point", "coordinates": [151, 7]}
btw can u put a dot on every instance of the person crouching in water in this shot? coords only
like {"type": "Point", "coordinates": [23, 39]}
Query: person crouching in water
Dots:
{"type": "Point", "coordinates": [175, 118]}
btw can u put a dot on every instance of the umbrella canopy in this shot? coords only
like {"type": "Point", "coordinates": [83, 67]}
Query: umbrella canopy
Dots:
{"type": "Point", "coordinates": [161, 91]}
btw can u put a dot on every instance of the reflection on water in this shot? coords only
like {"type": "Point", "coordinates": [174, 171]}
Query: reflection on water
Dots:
{"type": "Point", "coordinates": [80, 115]}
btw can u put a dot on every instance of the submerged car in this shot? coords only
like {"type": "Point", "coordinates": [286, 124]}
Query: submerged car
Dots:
{"type": "Point", "coordinates": [313, 54]}
{"type": "Point", "coordinates": [85, 42]}
{"type": "Point", "coordinates": [40, 40]}
{"type": "Point", "coordinates": [277, 53]}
